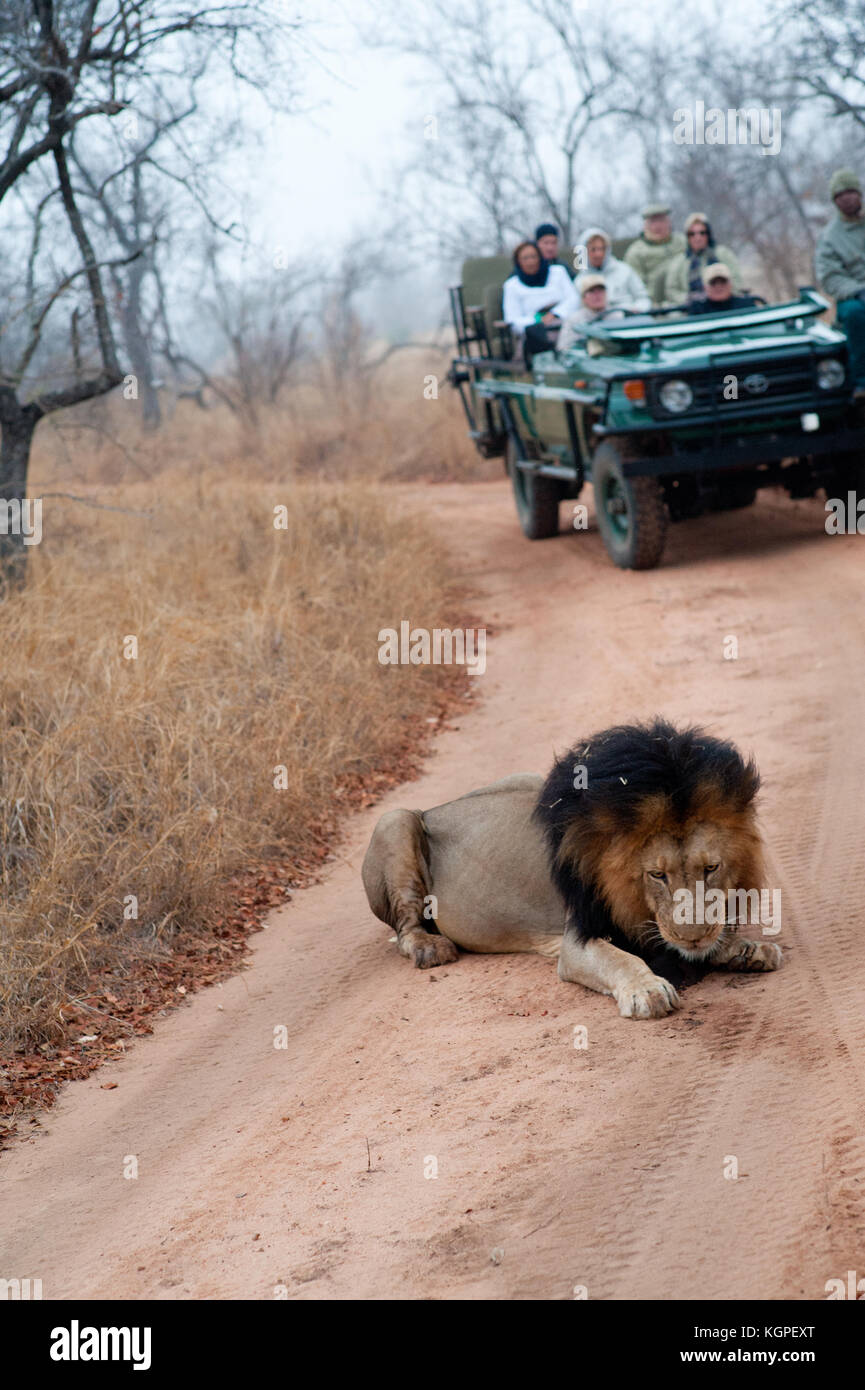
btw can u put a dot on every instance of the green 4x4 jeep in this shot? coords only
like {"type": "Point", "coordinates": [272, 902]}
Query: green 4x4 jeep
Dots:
{"type": "Point", "coordinates": [666, 417]}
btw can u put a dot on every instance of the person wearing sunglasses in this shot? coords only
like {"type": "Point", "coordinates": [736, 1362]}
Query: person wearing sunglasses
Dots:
{"type": "Point", "coordinates": [680, 280]}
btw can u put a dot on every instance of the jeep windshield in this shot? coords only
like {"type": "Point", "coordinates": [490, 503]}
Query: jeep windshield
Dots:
{"type": "Point", "coordinates": [640, 327]}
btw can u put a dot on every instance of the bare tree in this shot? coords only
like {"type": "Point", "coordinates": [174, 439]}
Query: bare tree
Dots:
{"type": "Point", "coordinates": [65, 64]}
{"type": "Point", "coordinates": [345, 340]}
{"type": "Point", "coordinates": [824, 48]}
{"type": "Point", "coordinates": [133, 213]}
{"type": "Point", "coordinates": [542, 109]}
{"type": "Point", "coordinates": [767, 203]}
{"type": "Point", "coordinates": [255, 326]}
{"type": "Point", "coordinates": [515, 92]}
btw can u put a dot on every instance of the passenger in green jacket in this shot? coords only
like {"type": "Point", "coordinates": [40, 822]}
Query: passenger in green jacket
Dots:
{"type": "Point", "coordinates": [680, 279]}
{"type": "Point", "coordinates": [840, 266]}
{"type": "Point", "coordinates": [655, 246]}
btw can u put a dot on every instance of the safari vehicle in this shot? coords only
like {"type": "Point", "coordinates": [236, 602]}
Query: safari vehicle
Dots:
{"type": "Point", "coordinates": [667, 416]}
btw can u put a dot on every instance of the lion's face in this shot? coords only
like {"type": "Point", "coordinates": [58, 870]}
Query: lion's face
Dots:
{"type": "Point", "coordinates": [662, 812]}
{"type": "Point", "coordinates": [708, 854]}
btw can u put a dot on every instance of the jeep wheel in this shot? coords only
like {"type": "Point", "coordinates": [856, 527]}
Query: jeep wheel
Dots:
{"type": "Point", "coordinates": [631, 514]}
{"type": "Point", "coordinates": [537, 498]}
{"type": "Point", "coordinates": [847, 475]}
{"type": "Point", "coordinates": [737, 493]}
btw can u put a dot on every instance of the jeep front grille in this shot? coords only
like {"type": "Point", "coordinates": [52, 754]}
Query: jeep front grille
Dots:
{"type": "Point", "coordinates": [789, 382]}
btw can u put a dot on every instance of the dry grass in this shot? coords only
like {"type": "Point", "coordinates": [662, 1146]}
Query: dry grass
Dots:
{"type": "Point", "coordinates": [152, 778]}
{"type": "Point", "coordinates": [379, 427]}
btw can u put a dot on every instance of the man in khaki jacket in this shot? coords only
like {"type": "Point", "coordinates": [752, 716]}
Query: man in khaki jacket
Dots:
{"type": "Point", "coordinates": [656, 244]}
{"type": "Point", "coordinates": [840, 266]}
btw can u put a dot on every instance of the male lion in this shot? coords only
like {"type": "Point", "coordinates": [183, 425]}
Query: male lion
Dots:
{"type": "Point", "coordinates": [585, 866]}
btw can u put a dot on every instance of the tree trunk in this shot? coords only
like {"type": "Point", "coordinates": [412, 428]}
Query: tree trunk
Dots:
{"type": "Point", "coordinates": [137, 346]}
{"type": "Point", "coordinates": [17, 425]}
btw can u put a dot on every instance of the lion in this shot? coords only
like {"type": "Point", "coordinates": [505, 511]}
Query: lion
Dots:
{"type": "Point", "coordinates": [588, 865]}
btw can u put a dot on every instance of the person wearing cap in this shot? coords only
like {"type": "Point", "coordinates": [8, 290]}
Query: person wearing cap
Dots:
{"type": "Point", "coordinates": [718, 283]}
{"type": "Point", "coordinates": [655, 245]}
{"type": "Point", "coordinates": [547, 242]}
{"type": "Point", "coordinates": [625, 289]}
{"type": "Point", "coordinates": [592, 290]}
{"type": "Point", "coordinates": [840, 266]}
{"type": "Point", "coordinates": [680, 279]}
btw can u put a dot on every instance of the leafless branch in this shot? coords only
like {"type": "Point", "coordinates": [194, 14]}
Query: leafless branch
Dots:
{"type": "Point", "coordinates": [99, 506]}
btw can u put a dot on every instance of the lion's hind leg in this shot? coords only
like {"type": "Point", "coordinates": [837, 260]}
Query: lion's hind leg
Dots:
{"type": "Point", "coordinates": [396, 877]}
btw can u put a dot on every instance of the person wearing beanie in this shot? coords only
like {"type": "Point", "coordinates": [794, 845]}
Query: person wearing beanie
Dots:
{"type": "Point", "coordinates": [680, 279]}
{"type": "Point", "coordinates": [625, 289]}
{"type": "Point", "coordinates": [592, 289]}
{"type": "Point", "coordinates": [718, 283]}
{"type": "Point", "coordinates": [547, 241]}
{"type": "Point", "coordinates": [655, 245]}
{"type": "Point", "coordinates": [839, 265]}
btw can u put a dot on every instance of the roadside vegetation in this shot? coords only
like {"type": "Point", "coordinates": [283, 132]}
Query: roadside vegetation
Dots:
{"type": "Point", "coordinates": [165, 659]}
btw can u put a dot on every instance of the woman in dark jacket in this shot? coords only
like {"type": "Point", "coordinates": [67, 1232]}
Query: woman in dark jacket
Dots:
{"type": "Point", "coordinates": [680, 280]}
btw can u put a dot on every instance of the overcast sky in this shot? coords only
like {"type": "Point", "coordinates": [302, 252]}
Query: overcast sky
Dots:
{"type": "Point", "coordinates": [320, 169]}
{"type": "Point", "coordinates": [314, 183]}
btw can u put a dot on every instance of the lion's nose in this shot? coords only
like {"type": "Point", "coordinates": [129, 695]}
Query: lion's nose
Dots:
{"type": "Point", "coordinates": [692, 936]}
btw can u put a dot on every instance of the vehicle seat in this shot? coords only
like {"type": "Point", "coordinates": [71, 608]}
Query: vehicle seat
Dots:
{"type": "Point", "coordinates": [482, 281]}
{"type": "Point", "coordinates": [620, 246]}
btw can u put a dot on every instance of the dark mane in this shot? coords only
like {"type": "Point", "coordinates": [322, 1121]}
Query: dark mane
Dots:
{"type": "Point", "coordinates": [631, 769]}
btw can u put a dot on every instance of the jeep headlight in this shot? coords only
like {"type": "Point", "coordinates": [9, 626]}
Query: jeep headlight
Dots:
{"type": "Point", "coordinates": [830, 374]}
{"type": "Point", "coordinates": [675, 396]}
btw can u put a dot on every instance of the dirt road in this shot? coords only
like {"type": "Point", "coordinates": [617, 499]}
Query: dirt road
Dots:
{"type": "Point", "coordinates": [557, 1167]}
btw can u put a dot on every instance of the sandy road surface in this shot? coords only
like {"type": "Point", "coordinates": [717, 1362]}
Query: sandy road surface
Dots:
{"type": "Point", "coordinates": [601, 1167]}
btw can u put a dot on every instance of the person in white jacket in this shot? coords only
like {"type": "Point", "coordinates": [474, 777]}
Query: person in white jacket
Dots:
{"type": "Point", "coordinates": [536, 299]}
{"type": "Point", "coordinates": [625, 289]}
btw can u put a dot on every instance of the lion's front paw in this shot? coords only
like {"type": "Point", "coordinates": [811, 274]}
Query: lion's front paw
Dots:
{"type": "Point", "coordinates": [425, 950]}
{"type": "Point", "coordinates": [755, 955]}
{"type": "Point", "coordinates": [653, 998]}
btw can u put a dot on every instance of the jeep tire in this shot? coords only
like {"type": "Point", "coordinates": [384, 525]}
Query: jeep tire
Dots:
{"type": "Point", "coordinates": [632, 517]}
{"type": "Point", "coordinates": [537, 498]}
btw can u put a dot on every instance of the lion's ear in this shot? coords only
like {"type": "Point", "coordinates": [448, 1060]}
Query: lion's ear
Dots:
{"type": "Point", "coordinates": [746, 785]}
{"type": "Point", "coordinates": [752, 778]}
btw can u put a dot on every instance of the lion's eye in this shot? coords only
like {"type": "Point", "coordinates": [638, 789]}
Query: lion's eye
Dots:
{"type": "Point", "coordinates": [657, 873]}
{"type": "Point", "coordinates": [710, 868]}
